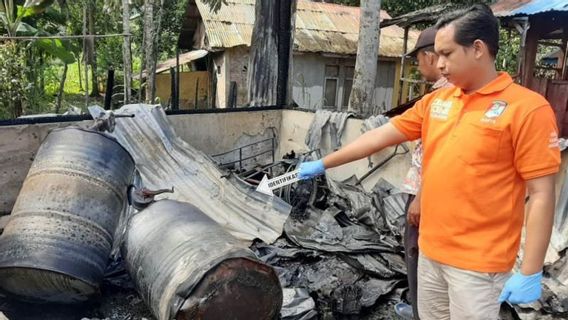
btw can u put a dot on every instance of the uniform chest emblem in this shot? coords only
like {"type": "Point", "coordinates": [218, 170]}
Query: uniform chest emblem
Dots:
{"type": "Point", "coordinates": [441, 109]}
{"type": "Point", "coordinates": [496, 109]}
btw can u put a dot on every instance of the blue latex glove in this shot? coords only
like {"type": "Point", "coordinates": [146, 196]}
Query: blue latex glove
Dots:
{"type": "Point", "coordinates": [521, 289]}
{"type": "Point", "coordinates": [311, 169]}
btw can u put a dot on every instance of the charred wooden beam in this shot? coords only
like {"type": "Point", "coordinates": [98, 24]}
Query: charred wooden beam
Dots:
{"type": "Point", "coordinates": [272, 37]}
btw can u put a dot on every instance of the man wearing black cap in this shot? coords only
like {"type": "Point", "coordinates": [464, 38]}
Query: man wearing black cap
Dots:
{"type": "Point", "coordinates": [427, 60]}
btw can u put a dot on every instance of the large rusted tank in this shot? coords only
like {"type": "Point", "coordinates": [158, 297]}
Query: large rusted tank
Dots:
{"type": "Point", "coordinates": [57, 243]}
{"type": "Point", "coordinates": [186, 266]}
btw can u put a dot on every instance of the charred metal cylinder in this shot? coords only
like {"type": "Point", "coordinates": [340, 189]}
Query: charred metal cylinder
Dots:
{"type": "Point", "coordinates": [186, 266]}
{"type": "Point", "coordinates": [57, 243]}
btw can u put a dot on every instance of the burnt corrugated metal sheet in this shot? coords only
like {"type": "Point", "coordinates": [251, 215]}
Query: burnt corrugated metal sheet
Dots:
{"type": "Point", "coordinates": [320, 27]}
{"type": "Point", "coordinates": [163, 159]}
{"type": "Point", "coordinates": [509, 8]}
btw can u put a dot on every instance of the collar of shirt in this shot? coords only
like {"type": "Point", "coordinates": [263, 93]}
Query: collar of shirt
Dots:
{"type": "Point", "coordinates": [498, 84]}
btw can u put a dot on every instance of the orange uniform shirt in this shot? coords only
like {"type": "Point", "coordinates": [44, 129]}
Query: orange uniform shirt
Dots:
{"type": "Point", "coordinates": [479, 149]}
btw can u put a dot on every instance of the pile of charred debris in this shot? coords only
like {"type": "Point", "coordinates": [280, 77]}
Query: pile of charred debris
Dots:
{"type": "Point", "coordinates": [98, 232]}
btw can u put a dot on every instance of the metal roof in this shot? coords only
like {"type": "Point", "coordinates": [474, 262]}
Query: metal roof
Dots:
{"type": "Point", "coordinates": [320, 27]}
{"type": "Point", "coordinates": [184, 58]}
{"type": "Point", "coordinates": [509, 8]}
{"type": "Point", "coordinates": [424, 15]}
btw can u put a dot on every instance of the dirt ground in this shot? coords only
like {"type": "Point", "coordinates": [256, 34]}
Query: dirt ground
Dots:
{"type": "Point", "coordinates": [114, 304]}
{"type": "Point", "coordinates": [121, 304]}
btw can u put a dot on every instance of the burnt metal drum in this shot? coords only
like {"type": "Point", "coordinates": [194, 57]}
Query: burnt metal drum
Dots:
{"type": "Point", "coordinates": [57, 244]}
{"type": "Point", "coordinates": [186, 266]}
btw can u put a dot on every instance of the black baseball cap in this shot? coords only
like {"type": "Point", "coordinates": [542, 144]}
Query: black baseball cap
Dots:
{"type": "Point", "coordinates": [425, 39]}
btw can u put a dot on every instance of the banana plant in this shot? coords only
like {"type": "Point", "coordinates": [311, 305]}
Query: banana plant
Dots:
{"type": "Point", "coordinates": [12, 15]}
{"type": "Point", "coordinates": [38, 6]}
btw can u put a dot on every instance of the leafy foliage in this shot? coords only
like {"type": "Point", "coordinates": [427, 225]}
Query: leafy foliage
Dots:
{"type": "Point", "coordinates": [509, 48]}
{"type": "Point", "coordinates": [12, 80]}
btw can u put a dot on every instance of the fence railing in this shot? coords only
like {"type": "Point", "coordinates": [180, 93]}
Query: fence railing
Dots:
{"type": "Point", "coordinates": [241, 155]}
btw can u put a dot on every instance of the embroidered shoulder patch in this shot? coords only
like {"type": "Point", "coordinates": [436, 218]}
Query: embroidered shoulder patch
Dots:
{"type": "Point", "coordinates": [440, 109]}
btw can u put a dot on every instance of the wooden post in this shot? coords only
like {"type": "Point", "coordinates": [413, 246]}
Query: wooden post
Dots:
{"type": "Point", "coordinates": [272, 37]}
{"type": "Point", "coordinates": [285, 48]}
{"type": "Point", "coordinates": [402, 65]}
{"type": "Point", "coordinates": [232, 102]}
{"type": "Point", "coordinates": [173, 88]}
{"type": "Point", "coordinates": [109, 89]}
{"type": "Point", "coordinates": [197, 93]}
{"type": "Point", "coordinates": [263, 67]}
{"type": "Point", "coordinates": [92, 48]}
{"type": "Point", "coordinates": [364, 79]}
{"type": "Point", "coordinates": [62, 88]}
{"type": "Point", "coordinates": [564, 75]}
{"type": "Point", "coordinates": [79, 72]}
{"type": "Point", "coordinates": [85, 58]}
{"type": "Point", "coordinates": [531, 47]}
{"type": "Point", "coordinates": [126, 51]}
{"type": "Point", "coordinates": [213, 82]}
{"type": "Point", "coordinates": [177, 79]}
{"type": "Point", "coordinates": [405, 89]}
{"type": "Point", "coordinates": [397, 87]}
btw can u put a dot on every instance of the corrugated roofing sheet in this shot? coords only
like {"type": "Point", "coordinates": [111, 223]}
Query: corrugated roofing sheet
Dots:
{"type": "Point", "coordinates": [183, 59]}
{"type": "Point", "coordinates": [508, 8]}
{"type": "Point", "coordinates": [170, 63]}
{"type": "Point", "coordinates": [320, 27]}
{"type": "Point", "coordinates": [164, 159]}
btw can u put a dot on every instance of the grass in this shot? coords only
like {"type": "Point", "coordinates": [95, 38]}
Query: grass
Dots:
{"type": "Point", "coordinates": [74, 90]}
{"type": "Point", "coordinates": [74, 83]}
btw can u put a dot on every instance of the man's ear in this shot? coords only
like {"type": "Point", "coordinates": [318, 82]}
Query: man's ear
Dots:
{"type": "Point", "coordinates": [479, 48]}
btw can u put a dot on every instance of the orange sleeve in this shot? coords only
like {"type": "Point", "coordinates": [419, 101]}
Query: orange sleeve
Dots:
{"type": "Point", "coordinates": [410, 122]}
{"type": "Point", "coordinates": [537, 152]}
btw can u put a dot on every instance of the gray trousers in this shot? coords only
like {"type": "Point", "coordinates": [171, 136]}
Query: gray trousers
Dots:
{"type": "Point", "coordinates": [448, 293]}
{"type": "Point", "coordinates": [411, 255]}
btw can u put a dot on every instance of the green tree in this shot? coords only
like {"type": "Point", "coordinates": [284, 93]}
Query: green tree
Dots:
{"type": "Point", "coordinates": [23, 62]}
{"type": "Point", "coordinates": [12, 80]}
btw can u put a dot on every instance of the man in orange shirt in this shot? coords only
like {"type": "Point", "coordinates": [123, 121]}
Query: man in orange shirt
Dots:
{"type": "Point", "coordinates": [427, 59]}
{"type": "Point", "coordinates": [487, 141]}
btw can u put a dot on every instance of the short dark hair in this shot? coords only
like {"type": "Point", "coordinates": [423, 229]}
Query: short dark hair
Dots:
{"type": "Point", "coordinates": [474, 23]}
